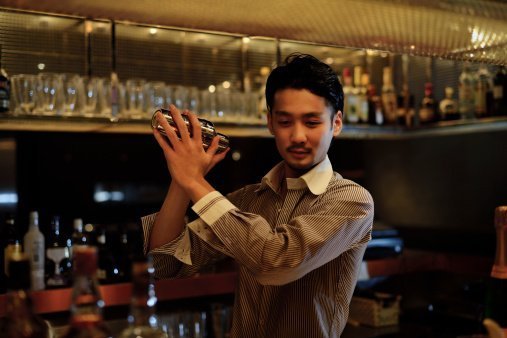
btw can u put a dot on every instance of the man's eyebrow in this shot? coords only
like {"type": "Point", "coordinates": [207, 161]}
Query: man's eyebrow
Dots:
{"type": "Point", "coordinates": [305, 115]}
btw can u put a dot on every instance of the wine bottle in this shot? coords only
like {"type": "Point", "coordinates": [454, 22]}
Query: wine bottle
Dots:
{"type": "Point", "coordinates": [33, 244]}
{"type": "Point", "coordinates": [466, 101]}
{"type": "Point", "coordinates": [500, 92]}
{"type": "Point", "coordinates": [142, 319]}
{"type": "Point", "coordinates": [375, 109]}
{"type": "Point", "coordinates": [350, 106]}
{"type": "Point", "coordinates": [4, 88]}
{"type": "Point", "coordinates": [108, 269]}
{"type": "Point", "coordinates": [21, 321]}
{"type": "Point", "coordinates": [388, 97]}
{"type": "Point", "coordinates": [86, 304]}
{"type": "Point", "coordinates": [483, 93]}
{"type": "Point", "coordinates": [58, 263]}
{"type": "Point", "coordinates": [497, 289]}
{"type": "Point", "coordinates": [427, 111]}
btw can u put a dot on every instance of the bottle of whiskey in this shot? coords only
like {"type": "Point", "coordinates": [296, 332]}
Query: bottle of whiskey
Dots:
{"type": "Point", "coordinates": [448, 106]}
{"type": "Point", "coordinates": [375, 109]}
{"type": "Point", "coordinates": [427, 111]}
{"type": "Point", "coordinates": [21, 321]}
{"type": "Point", "coordinates": [142, 319]}
{"type": "Point", "coordinates": [497, 289]}
{"type": "Point", "coordinates": [86, 305]}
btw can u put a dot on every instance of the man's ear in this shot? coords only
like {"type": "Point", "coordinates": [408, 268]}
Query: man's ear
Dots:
{"type": "Point", "coordinates": [270, 123]}
{"type": "Point", "coordinates": [337, 123]}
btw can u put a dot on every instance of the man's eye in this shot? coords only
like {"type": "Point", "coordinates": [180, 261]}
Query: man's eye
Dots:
{"type": "Point", "coordinates": [312, 123]}
{"type": "Point", "coordinates": [283, 122]}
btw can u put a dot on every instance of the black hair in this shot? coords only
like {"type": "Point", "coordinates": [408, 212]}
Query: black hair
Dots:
{"type": "Point", "coordinates": [303, 71]}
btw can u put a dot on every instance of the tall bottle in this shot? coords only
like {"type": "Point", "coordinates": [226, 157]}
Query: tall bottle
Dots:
{"type": "Point", "coordinates": [428, 111]}
{"type": "Point", "coordinates": [497, 290]}
{"type": "Point", "coordinates": [375, 109]}
{"type": "Point", "coordinates": [389, 97]}
{"type": "Point", "coordinates": [78, 236]}
{"type": "Point", "coordinates": [21, 321]}
{"type": "Point", "coordinates": [7, 240]}
{"type": "Point", "coordinates": [466, 99]}
{"type": "Point", "coordinates": [350, 106]}
{"type": "Point", "coordinates": [58, 262]}
{"type": "Point", "coordinates": [33, 244]}
{"type": "Point", "coordinates": [5, 88]}
{"type": "Point", "coordinates": [361, 81]}
{"type": "Point", "coordinates": [142, 319]}
{"type": "Point", "coordinates": [108, 270]}
{"type": "Point", "coordinates": [483, 93]}
{"type": "Point", "coordinates": [86, 304]}
{"type": "Point", "coordinates": [500, 92]}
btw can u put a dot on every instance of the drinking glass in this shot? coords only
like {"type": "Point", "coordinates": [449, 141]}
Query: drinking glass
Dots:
{"type": "Point", "coordinates": [91, 92]}
{"type": "Point", "coordinates": [156, 95]}
{"type": "Point", "coordinates": [25, 87]}
{"type": "Point", "coordinates": [135, 92]}
{"type": "Point", "coordinates": [49, 94]}
{"type": "Point", "coordinates": [72, 90]}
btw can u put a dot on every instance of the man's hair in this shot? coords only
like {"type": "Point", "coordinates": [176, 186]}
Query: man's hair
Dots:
{"type": "Point", "coordinates": [303, 71]}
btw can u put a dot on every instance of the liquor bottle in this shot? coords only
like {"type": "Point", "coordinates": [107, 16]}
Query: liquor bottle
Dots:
{"type": "Point", "coordinates": [33, 244]}
{"type": "Point", "coordinates": [483, 93]}
{"type": "Point", "coordinates": [86, 304]}
{"type": "Point", "coordinates": [375, 110]}
{"type": "Point", "coordinates": [500, 92]}
{"type": "Point", "coordinates": [405, 107]}
{"type": "Point", "coordinates": [427, 110]}
{"type": "Point", "coordinates": [350, 99]}
{"type": "Point", "coordinates": [448, 106]}
{"type": "Point", "coordinates": [108, 270]}
{"type": "Point", "coordinates": [142, 319]}
{"type": "Point", "coordinates": [388, 97]}
{"type": "Point", "coordinates": [466, 100]}
{"type": "Point", "coordinates": [497, 289]}
{"type": "Point", "coordinates": [78, 236]}
{"type": "Point", "coordinates": [361, 80]}
{"type": "Point", "coordinates": [58, 262]}
{"type": "Point", "coordinates": [5, 88]}
{"type": "Point", "coordinates": [21, 321]}
{"type": "Point", "coordinates": [7, 239]}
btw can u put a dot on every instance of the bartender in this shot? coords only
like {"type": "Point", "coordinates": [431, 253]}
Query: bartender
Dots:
{"type": "Point", "coordinates": [298, 235]}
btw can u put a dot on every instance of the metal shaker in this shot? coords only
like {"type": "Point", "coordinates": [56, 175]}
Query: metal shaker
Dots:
{"type": "Point", "coordinates": [208, 130]}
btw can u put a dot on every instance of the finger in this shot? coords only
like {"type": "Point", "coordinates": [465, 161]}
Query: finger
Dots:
{"type": "Point", "coordinates": [180, 123]}
{"type": "Point", "coordinates": [196, 127]}
{"type": "Point", "coordinates": [213, 147]}
{"type": "Point", "coordinates": [162, 141]}
{"type": "Point", "coordinates": [169, 130]}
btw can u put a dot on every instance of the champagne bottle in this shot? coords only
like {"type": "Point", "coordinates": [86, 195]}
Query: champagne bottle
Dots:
{"type": "Point", "coordinates": [497, 290]}
{"type": "Point", "coordinates": [142, 319]}
{"type": "Point", "coordinates": [33, 244]}
{"type": "Point", "coordinates": [21, 321]}
{"type": "Point", "coordinates": [86, 305]}
{"type": "Point", "coordinates": [58, 263]}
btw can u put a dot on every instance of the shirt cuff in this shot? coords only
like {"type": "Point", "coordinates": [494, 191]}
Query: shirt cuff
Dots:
{"type": "Point", "coordinates": [212, 206]}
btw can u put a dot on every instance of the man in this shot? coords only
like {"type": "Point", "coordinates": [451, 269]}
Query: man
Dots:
{"type": "Point", "coordinates": [298, 236]}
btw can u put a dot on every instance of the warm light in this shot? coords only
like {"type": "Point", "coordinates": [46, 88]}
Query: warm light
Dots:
{"type": "Point", "coordinates": [88, 27]}
{"type": "Point", "coordinates": [212, 88]}
{"type": "Point", "coordinates": [264, 71]}
{"type": "Point", "coordinates": [329, 61]}
{"type": "Point", "coordinates": [41, 66]}
{"type": "Point", "coordinates": [246, 39]}
{"type": "Point", "coordinates": [153, 31]}
{"type": "Point", "coordinates": [412, 47]}
{"type": "Point", "coordinates": [226, 84]}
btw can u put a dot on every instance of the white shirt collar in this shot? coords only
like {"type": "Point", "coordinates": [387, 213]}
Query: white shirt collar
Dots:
{"type": "Point", "coordinates": [316, 179]}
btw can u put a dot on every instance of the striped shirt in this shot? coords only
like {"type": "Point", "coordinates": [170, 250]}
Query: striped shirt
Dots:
{"type": "Point", "coordinates": [298, 256]}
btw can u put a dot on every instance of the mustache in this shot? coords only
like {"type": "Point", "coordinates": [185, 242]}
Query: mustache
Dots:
{"type": "Point", "coordinates": [298, 148]}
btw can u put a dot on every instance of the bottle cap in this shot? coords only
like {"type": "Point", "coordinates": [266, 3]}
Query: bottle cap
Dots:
{"type": "Point", "coordinates": [34, 218]}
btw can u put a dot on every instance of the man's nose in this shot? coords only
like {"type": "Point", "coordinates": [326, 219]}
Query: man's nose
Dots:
{"type": "Point", "coordinates": [298, 133]}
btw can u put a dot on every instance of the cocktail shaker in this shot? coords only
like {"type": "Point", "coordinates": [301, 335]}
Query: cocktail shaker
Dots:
{"type": "Point", "coordinates": [208, 130]}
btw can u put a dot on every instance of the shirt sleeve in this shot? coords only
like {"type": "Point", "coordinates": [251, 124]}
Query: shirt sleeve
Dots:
{"type": "Point", "coordinates": [339, 220]}
{"type": "Point", "coordinates": [182, 257]}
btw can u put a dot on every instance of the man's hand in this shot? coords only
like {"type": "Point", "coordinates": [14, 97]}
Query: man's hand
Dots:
{"type": "Point", "coordinates": [186, 159]}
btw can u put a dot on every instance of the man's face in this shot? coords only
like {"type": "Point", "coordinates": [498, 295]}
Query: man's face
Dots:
{"type": "Point", "coordinates": [303, 129]}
